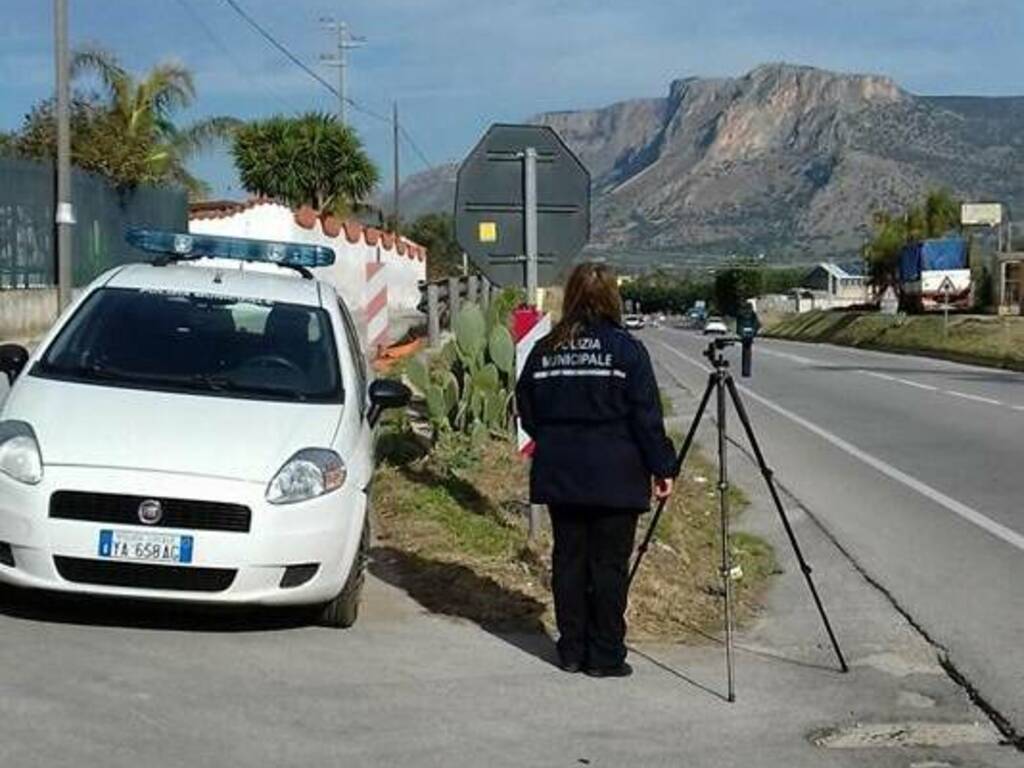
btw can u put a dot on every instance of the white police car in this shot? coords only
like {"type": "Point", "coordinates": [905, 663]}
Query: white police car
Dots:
{"type": "Point", "coordinates": [199, 429]}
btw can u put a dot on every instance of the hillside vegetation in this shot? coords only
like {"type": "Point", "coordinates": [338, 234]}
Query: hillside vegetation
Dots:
{"type": "Point", "coordinates": [984, 340]}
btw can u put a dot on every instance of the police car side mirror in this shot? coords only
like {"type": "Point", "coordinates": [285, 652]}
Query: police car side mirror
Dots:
{"type": "Point", "coordinates": [384, 394]}
{"type": "Point", "coordinates": [12, 360]}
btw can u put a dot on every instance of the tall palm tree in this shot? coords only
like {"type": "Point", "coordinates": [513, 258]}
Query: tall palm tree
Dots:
{"type": "Point", "coordinates": [140, 111]}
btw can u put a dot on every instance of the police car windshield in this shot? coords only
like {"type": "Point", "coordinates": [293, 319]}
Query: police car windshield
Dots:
{"type": "Point", "coordinates": [224, 346]}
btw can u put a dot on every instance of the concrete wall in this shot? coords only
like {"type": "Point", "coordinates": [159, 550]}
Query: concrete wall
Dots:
{"type": "Point", "coordinates": [26, 313]}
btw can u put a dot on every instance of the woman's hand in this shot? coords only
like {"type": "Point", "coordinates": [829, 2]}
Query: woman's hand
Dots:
{"type": "Point", "coordinates": [663, 487]}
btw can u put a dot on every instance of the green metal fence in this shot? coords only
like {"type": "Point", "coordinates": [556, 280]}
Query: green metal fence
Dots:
{"type": "Point", "coordinates": [102, 213]}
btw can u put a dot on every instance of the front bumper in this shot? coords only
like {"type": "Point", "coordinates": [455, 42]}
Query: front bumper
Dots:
{"type": "Point", "coordinates": [325, 530]}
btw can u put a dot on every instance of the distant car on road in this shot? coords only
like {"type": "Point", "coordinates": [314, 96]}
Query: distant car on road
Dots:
{"type": "Point", "coordinates": [715, 326]}
{"type": "Point", "coordinates": [634, 322]}
{"type": "Point", "coordinates": [195, 429]}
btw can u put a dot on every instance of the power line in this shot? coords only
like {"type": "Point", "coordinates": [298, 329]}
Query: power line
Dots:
{"type": "Point", "coordinates": [233, 4]}
{"type": "Point", "coordinates": [280, 46]}
{"type": "Point", "coordinates": [367, 111]}
{"type": "Point", "coordinates": [219, 44]}
{"type": "Point", "coordinates": [415, 148]}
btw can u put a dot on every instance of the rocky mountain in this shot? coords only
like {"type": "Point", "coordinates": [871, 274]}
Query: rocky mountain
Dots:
{"type": "Point", "coordinates": [786, 160]}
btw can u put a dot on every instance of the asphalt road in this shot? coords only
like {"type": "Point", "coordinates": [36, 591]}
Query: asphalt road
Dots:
{"type": "Point", "coordinates": [128, 684]}
{"type": "Point", "coordinates": [916, 468]}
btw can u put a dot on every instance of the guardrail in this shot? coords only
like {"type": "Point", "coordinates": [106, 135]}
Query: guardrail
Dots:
{"type": "Point", "coordinates": [442, 298]}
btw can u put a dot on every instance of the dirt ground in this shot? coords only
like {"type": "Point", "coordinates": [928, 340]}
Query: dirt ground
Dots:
{"type": "Point", "coordinates": [455, 530]}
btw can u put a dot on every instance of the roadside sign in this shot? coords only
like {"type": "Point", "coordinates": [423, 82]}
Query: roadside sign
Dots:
{"type": "Point", "coordinates": [946, 287]}
{"type": "Point", "coordinates": [981, 214]}
{"type": "Point", "coordinates": [529, 326]}
{"type": "Point", "coordinates": [495, 223]}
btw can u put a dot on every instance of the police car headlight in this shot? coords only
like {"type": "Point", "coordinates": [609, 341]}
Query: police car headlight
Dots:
{"type": "Point", "coordinates": [309, 473]}
{"type": "Point", "coordinates": [20, 457]}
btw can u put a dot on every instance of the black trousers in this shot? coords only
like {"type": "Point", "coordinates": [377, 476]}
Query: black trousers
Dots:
{"type": "Point", "coordinates": [590, 571]}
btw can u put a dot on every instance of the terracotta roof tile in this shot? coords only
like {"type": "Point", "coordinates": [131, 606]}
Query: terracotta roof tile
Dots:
{"type": "Point", "coordinates": [306, 217]}
{"type": "Point", "coordinates": [331, 225]}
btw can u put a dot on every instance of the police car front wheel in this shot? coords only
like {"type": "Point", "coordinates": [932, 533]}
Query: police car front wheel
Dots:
{"type": "Point", "coordinates": [343, 610]}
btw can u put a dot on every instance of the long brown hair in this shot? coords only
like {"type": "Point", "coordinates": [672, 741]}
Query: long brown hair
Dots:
{"type": "Point", "coordinates": [591, 295]}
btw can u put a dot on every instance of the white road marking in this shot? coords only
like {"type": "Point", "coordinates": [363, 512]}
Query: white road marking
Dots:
{"type": "Point", "coordinates": [787, 356]}
{"type": "Point", "coordinates": [956, 507]}
{"type": "Point", "coordinates": [898, 380]}
{"type": "Point", "coordinates": [882, 376]}
{"type": "Point", "coordinates": [926, 387]}
{"type": "Point", "coordinates": [975, 398]}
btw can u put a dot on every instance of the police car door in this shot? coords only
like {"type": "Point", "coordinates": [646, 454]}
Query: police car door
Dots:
{"type": "Point", "coordinates": [355, 435]}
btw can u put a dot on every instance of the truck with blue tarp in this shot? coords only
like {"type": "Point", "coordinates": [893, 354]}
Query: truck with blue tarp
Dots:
{"type": "Point", "coordinates": [934, 272]}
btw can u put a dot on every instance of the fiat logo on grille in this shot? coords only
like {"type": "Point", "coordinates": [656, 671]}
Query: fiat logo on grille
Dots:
{"type": "Point", "coordinates": [151, 512]}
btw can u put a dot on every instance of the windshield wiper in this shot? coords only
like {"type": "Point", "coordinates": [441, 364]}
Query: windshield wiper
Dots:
{"type": "Point", "coordinates": [226, 384]}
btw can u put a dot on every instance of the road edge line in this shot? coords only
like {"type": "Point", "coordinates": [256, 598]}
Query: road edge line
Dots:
{"type": "Point", "coordinates": [958, 508]}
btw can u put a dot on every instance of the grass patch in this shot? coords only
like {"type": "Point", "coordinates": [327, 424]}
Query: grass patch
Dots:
{"type": "Point", "coordinates": [668, 408]}
{"type": "Point", "coordinates": [979, 339]}
{"type": "Point", "coordinates": [457, 541]}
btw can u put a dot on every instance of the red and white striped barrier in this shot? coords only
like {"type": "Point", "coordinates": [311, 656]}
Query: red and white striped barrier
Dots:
{"type": "Point", "coordinates": [375, 306]}
{"type": "Point", "coordinates": [529, 325]}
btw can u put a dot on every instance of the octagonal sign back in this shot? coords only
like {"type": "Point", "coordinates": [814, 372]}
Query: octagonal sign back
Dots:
{"type": "Point", "coordinates": [489, 204]}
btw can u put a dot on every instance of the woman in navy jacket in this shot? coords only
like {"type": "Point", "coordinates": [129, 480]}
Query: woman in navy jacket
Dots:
{"type": "Point", "coordinates": [588, 397]}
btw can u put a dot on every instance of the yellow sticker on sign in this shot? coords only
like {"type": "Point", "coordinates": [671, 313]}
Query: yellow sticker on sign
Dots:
{"type": "Point", "coordinates": [487, 231]}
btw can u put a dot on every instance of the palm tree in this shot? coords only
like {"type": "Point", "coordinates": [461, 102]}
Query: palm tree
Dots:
{"type": "Point", "coordinates": [311, 159]}
{"type": "Point", "coordinates": [139, 115]}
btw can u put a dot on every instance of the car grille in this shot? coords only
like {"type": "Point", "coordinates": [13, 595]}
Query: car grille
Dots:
{"type": "Point", "coordinates": [144, 575]}
{"type": "Point", "coordinates": [177, 513]}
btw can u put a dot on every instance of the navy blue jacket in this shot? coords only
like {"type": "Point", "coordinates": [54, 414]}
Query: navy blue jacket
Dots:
{"type": "Point", "coordinates": [592, 407]}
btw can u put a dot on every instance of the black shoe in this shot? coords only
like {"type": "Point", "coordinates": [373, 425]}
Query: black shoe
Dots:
{"type": "Point", "coordinates": [570, 665]}
{"type": "Point", "coordinates": [620, 670]}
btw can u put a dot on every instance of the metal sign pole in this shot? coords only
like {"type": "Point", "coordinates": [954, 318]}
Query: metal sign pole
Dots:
{"type": "Point", "coordinates": [945, 313]}
{"type": "Point", "coordinates": [530, 242]}
{"type": "Point", "coordinates": [530, 222]}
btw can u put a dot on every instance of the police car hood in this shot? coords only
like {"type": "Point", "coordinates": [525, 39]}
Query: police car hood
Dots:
{"type": "Point", "coordinates": [100, 426]}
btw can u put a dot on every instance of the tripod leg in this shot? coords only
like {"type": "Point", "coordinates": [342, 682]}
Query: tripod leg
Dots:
{"type": "Point", "coordinates": [723, 507]}
{"type": "Point", "coordinates": [768, 475]}
{"type": "Point", "coordinates": [680, 459]}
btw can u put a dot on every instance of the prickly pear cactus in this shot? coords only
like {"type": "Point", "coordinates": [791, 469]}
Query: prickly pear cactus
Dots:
{"type": "Point", "coordinates": [470, 391]}
{"type": "Point", "coordinates": [418, 375]}
{"type": "Point", "coordinates": [496, 411]}
{"type": "Point", "coordinates": [486, 378]}
{"type": "Point", "coordinates": [478, 434]}
{"type": "Point", "coordinates": [436, 405]}
{"type": "Point", "coordinates": [449, 354]}
{"type": "Point", "coordinates": [470, 332]}
{"type": "Point", "coordinates": [502, 350]}
{"type": "Point", "coordinates": [451, 391]}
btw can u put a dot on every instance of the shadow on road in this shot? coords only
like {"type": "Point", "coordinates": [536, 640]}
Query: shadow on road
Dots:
{"type": "Point", "coordinates": [664, 667]}
{"type": "Point", "coordinates": [58, 608]}
{"type": "Point", "coordinates": [450, 589]}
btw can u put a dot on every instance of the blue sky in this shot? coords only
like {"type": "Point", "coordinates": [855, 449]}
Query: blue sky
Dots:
{"type": "Point", "coordinates": [454, 66]}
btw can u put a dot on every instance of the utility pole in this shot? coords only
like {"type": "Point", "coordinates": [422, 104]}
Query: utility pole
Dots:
{"type": "Point", "coordinates": [394, 138]}
{"type": "Point", "coordinates": [64, 213]}
{"type": "Point", "coordinates": [339, 59]}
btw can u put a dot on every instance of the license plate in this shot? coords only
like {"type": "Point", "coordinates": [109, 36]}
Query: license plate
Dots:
{"type": "Point", "coordinates": [145, 546]}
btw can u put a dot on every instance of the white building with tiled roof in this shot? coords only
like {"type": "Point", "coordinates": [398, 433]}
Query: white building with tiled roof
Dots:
{"type": "Point", "coordinates": [377, 273]}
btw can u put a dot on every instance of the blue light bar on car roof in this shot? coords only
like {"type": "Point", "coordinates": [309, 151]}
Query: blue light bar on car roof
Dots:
{"type": "Point", "coordinates": [178, 245]}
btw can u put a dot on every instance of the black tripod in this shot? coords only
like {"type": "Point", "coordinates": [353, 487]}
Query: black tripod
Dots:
{"type": "Point", "coordinates": [720, 381]}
